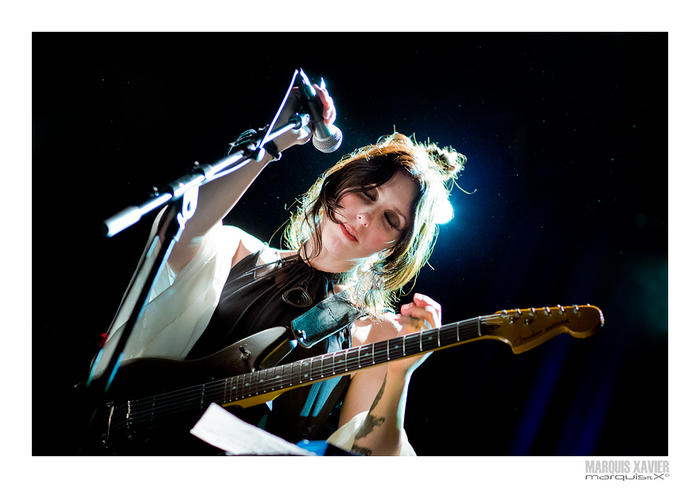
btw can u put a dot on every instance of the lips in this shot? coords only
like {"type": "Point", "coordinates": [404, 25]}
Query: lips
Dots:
{"type": "Point", "coordinates": [348, 232]}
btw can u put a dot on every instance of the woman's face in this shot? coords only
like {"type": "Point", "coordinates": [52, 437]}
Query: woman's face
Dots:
{"type": "Point", "coordinates": [369, 221]}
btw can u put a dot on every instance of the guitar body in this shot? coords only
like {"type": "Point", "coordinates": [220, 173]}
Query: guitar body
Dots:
{"type": "Point", "coordinates": [166, 429]}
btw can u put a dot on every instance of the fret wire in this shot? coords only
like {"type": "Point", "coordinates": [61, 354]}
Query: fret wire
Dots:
{"type": "Point", "coordinates": [449, 336]}
{"type": "Point", "coordinates": [260, 380]}
{"type": "Point", "coordinates": [322, 367]}
{"type": "Point", "coordinates": [312, 366]}
{"type": "Point", "coordinates": [241, 386]}
{"type": "Point", "coordinates": [283, 376]}
{"type": "Point", "coordinates": [280, 371]}
{"type": "Point", "coordinates": [248, 382]}
{"type": "Point", "coordinates": [251, 383]}
{"type": "Point", "coordinates": [336, 360]}
{"type": "Point", "coordinates": [277, 379]}
{"type": "Point", "coordinates": [365, 355]}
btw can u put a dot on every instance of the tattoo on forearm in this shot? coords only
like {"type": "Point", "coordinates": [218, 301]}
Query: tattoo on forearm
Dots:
{"type": "Point", "coordinates": [361, 450]}
{"type": "Point", "coordinates": [380, 393]}
{"type": "Point", "coordinates": [372, 421]}
{"type": "Point", "coordinates": [368, 425]}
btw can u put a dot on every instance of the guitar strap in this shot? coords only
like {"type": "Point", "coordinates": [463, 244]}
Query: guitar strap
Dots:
{"type": "Point", "coordinates": [326, 318]}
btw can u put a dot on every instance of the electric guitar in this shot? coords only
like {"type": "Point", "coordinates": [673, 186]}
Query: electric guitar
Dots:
{"type": "Point", "coordinates": [150, 393]}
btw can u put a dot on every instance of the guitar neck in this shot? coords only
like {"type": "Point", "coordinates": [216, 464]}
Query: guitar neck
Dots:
{"type": "Point", "coordinates": [305, 371]}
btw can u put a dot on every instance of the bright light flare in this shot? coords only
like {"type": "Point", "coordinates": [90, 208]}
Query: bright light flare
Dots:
{"type": "Point", "coordinates": [444, 213]}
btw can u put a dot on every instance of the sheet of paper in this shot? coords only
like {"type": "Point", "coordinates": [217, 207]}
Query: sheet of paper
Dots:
{"type": "Point", "coordinates": [222, 429]}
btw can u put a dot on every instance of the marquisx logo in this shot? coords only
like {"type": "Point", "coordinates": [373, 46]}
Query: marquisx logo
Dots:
{"type": "Point", "coordinates": [627, 470]}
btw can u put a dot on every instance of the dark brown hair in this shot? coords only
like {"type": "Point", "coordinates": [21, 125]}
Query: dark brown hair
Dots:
{"type": "Point", "coordinates": [376, 282]}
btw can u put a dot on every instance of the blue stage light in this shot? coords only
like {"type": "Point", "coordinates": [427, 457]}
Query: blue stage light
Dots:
{"type": "Point", "coordinates": [444, 213]}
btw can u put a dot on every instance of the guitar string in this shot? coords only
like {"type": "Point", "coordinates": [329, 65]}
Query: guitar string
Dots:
{"type": "Point", "coordinates": [221, 387]}
{"type": "Point", "coordinates": [286, 378]}
{"type": "Point", "coordinates": [180, 400]}
{"type": "Point", "coordinates": [218, 388]}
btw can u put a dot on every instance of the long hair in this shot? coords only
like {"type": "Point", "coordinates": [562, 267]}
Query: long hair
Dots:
{"type": "Point", "coordinates": [376, 282]}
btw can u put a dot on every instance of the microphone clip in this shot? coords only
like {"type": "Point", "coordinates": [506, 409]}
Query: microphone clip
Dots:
{"type": "Point", "coordinates": [248, 142]}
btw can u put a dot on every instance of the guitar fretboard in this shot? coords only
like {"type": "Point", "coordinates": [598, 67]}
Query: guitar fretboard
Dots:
{"type": "Point", "coordinates": [299, 373]}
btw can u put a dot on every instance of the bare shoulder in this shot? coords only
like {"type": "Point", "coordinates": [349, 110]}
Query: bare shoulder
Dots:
{"type": "Point", "coordinates": [246, 243]}
{"type": "Point", "coordinates": [367, 330]}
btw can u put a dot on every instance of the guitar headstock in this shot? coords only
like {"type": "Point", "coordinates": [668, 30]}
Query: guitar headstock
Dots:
{"type": "Point", "coordinates": [524, 329]}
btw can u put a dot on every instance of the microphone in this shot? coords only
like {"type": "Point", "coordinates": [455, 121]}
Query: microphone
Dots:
{"type": "Point", "coordinates": [326, 138]}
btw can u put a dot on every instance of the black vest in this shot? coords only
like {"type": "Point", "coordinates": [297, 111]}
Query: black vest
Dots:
{"type": "Point", "coordinates": [252, 301]}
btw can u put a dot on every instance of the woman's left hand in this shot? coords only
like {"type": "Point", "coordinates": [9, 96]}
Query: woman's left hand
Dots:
{"type": "Point", "coordinates": [422, 313]}
{"type": "Point", "coordinates": [329, 112]}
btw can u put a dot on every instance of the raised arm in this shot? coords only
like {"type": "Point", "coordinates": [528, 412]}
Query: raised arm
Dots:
{"type": "Point", "coordinates": [217, 198]}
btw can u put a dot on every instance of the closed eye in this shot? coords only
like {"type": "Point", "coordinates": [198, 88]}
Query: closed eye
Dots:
{"type": "Point", "coordinates": [392, 220]}
{"type": "Point", "coordinates": [369, 194]}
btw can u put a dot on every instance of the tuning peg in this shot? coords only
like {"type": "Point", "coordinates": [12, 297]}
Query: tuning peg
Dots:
{"type": "Point", "coordinates": [518, 316]}
{"type": "Point", "coordinates": [547, 311]}
{"type": "Point", "coordinates": [561, 309]}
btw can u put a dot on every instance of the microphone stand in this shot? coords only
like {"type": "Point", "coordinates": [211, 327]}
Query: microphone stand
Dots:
{"type": "Point", "coordinates": [181, 200]}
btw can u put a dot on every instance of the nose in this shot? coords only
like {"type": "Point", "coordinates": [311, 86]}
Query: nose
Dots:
{"type": "Point", "coordinates": [363, 219]}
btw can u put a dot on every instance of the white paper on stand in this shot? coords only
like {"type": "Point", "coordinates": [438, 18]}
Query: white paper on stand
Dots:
{"type": "Point", "coordinates": [222, 429]}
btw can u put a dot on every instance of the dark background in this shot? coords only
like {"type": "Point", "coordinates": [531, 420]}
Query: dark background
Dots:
{"type": "Point", "coordinates": [566, 139]}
